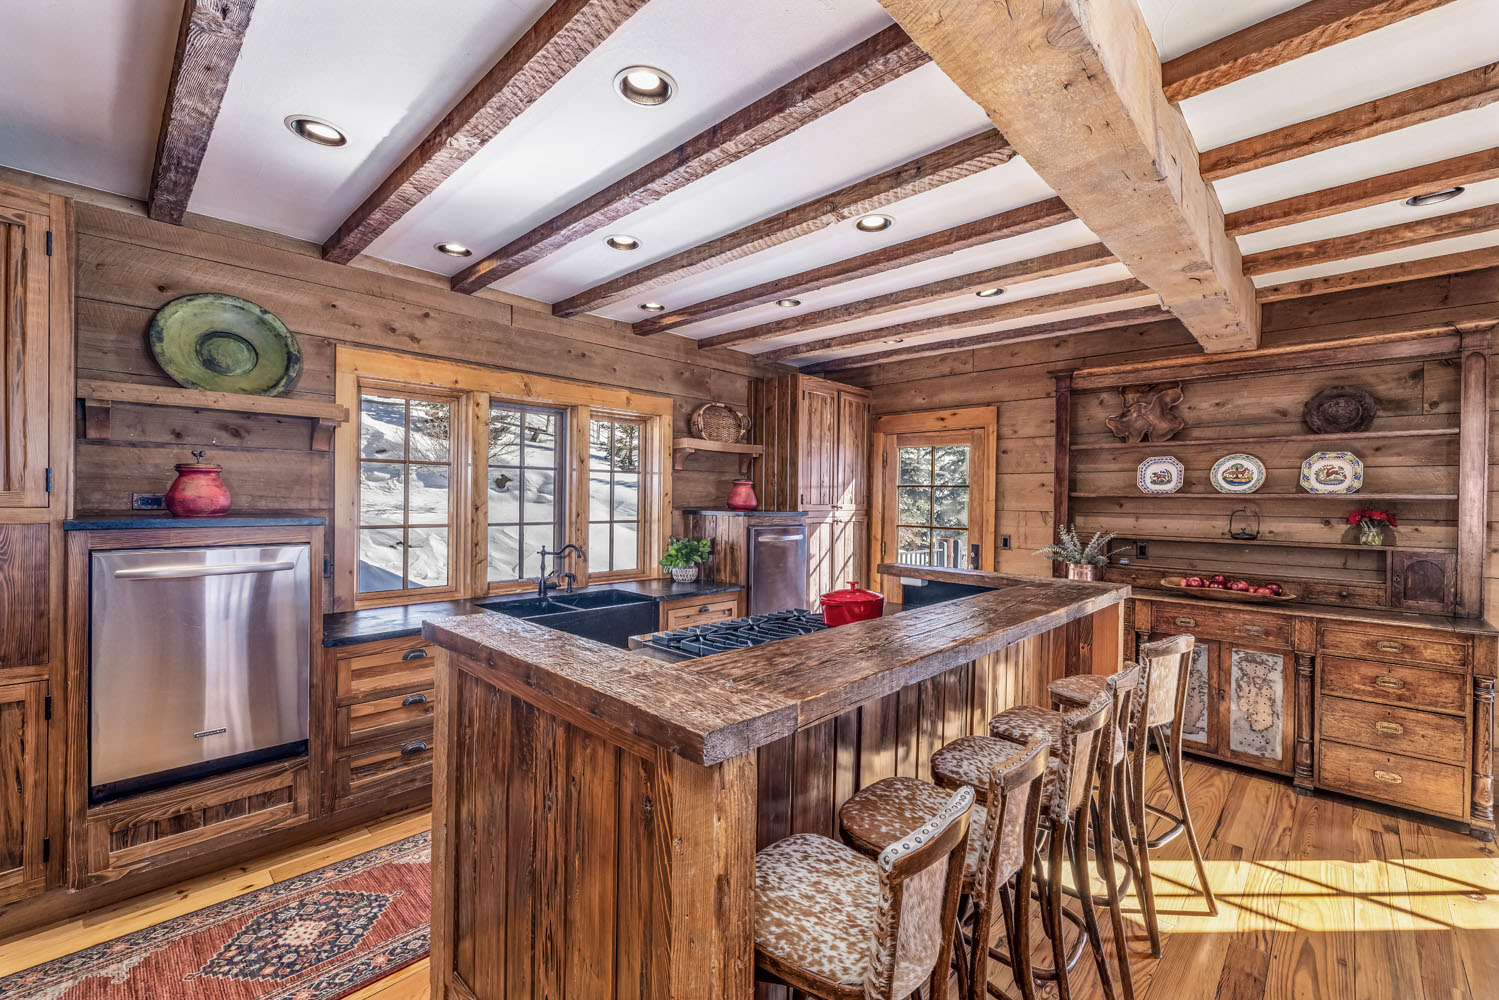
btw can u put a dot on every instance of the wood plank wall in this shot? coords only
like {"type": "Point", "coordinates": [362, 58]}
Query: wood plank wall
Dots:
{"type": "Point", "coordinates": [1014, 377]}
{"type": "Point", "coordinates": [128, 266]}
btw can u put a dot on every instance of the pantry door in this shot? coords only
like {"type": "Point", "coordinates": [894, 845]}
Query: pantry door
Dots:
{"type": "Point", "coordinates": [935, 504]}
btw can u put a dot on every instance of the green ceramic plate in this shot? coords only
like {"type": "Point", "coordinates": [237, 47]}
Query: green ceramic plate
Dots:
{"type": "Point", "coordinates": [225, 344]}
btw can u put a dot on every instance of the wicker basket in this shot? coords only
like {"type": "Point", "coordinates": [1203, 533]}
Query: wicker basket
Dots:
{"type": "Point", "coordinates": [720, 422]}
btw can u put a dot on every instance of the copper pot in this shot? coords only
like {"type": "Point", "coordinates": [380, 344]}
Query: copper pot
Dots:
{"type": "Point", "coordinates": [1084, 571]}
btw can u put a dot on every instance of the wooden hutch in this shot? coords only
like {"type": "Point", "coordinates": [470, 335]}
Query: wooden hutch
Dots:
{"type": "Point", "coordinates": [1378, 681]}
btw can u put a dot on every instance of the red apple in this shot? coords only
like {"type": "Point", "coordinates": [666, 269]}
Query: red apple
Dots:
{"type": "Point", "coordinates": [1220, 578]}
{"type": "Point", "coordinates": [1239, 585]}
{"type": "Point", "coordinates": [1264, 591]}
{"type": "Point", "coordinates": [1275, 589]}
{"type": "Point", "coordinates": [1215, 585]}
{"type": "Point", "coordinates": [1192, 581]}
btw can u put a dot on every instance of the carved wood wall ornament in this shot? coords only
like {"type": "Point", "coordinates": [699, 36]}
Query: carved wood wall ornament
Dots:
{"type": "Point", "coordinates": [1149, 412]}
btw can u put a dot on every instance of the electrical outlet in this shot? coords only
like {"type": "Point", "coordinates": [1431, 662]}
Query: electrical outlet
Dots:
{"type": "Point", "coordinates": [1004, 541]}
{"type": "Point", "coordinates": [148, 501]}
{"type": "Point", "coordinates": [1142, 549]}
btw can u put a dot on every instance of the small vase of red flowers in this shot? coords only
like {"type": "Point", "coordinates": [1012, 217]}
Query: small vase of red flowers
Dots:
{"type": "Point", "coordinates": [1371, 525]}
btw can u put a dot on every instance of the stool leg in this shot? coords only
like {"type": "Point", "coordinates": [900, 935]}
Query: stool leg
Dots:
{"type": "Point", "coordinates": [1145, 887]}
{"type": "Point", "coordinates": [1078, 849]}
{"type": "Point", "coordinates": [1172, 760]}
{"type": "Point", "coordinates": [1105, 855]}
{"type": "Point", "coordinates": [1018, 910]}
{"type": "Point", "coordinates": [1054, 909]}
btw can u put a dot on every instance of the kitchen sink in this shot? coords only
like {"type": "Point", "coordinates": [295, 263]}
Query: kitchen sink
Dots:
{"type": "Point", "coordinates": [609, 616]}
{"type": "Point", "coordinates": [601, 599]}
{"type": "Point", "coordinates": [526, 609]}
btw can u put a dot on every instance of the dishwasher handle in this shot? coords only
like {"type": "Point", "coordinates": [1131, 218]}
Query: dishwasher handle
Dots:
{"type": "Point", "coordinates": [187, 572]}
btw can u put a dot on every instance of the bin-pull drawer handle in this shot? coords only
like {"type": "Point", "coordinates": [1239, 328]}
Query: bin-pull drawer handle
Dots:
{"type": "Point", "coordinates": [1252, 629]}
{"type": "Point", "coordinates": [705, 609]}
{"type": "Point", "coordinates": [1389, 777]}
{"type": "Point", "coordinates": [414, 654]}
{"type": "Point", "coordinates": [1393, 683]}
{"type": "Point", "coordinates": [413, 699]}
{"type": "Point", "coordinates": [1186, 623]}
{"type": "Point", "coordinates": [1389, 728]}
{"type": "Point", "coordinates": [416, 746]}
{"type": "Point", "coordinates": [1390, 647]}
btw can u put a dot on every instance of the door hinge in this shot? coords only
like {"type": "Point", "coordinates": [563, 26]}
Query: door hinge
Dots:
{"type": "Point", "coordinates": [327, 565]}
{"type": "Point", "coordinates": [49, 243]}
{"type": "Point", "coordinates": [46, 849]}
{"type": "Point", "coordinates": [49, 479]}
{"type": "Point", "coordinates": [882, 549]}
{"type": "Point", "coordinates": [885, 460]}
{"type": "Point", "coordinates": [47, 707]}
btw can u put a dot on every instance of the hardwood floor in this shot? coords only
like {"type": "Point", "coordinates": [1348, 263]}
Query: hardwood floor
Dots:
{"type": "Point", "coordinates": [1318, 898]}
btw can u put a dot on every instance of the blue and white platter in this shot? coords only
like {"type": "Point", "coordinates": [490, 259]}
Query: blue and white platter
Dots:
{"type": "Point", "coordinates": [1332, 472]}
{"type": "Point", "coordinates": [1237, 473]}
{"type": "Point", "coordinates": [1161, 474]}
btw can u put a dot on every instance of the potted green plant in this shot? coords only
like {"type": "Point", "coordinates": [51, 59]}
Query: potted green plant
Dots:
{"type": "Point", "coordinates": [1084, 562]}
{"type": "Point", "coordinates": [684, 555]}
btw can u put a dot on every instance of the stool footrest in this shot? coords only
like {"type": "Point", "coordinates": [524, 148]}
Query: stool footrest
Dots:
{"type": "Point", "coordinates": [1178, 825]}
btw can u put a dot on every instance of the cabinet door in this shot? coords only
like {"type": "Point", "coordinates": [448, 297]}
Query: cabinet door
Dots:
{"type": "Point", "coordinates": [1199, 719]}
{"type": "Point", "coordinates": [818, 450]}
{"type": "Point", "coordinates": [23, 792]}
{"type": "Point", "coordinates": [820, 578]}
{"type": "Point", "coordinates": [851, 490]}
{"type": "Point", "coordinates": [25, 319]}
{"type": "Point", "coordinates": [850, 549]}
{"type": "Point", "coordinates": [1256, 728]}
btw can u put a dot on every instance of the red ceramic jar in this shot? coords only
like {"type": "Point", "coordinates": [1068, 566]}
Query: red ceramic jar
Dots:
{"type": "Point", "coordinates": [840, 607]}
{"type": "Point", "coordinates": [742, 496]}
{"type": "Point", "coordinates": [198, 492]}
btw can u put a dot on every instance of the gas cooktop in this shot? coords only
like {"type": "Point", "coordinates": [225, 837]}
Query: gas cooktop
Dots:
{"type": "Point", "coordinates": [720, 637]}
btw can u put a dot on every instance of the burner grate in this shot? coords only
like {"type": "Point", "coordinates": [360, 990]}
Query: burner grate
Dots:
{"type": "Point", "coordinates": [741, 633]}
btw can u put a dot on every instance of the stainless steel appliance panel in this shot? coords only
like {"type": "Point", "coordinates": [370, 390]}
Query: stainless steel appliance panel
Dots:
{"type": "Point", "coordinates": [777, 568]}
{"type": "Point", "coordinates": [197, 656]}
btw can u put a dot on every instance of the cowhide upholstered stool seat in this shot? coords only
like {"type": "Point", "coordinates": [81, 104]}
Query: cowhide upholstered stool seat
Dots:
{"type": "Point", "coordinates": [1001, 844]}
{"type": "Point", "coordinates": [836, 924]}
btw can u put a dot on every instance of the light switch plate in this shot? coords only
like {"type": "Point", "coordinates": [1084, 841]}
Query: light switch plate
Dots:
{"type": "Point", "coordinates": [148, 501]}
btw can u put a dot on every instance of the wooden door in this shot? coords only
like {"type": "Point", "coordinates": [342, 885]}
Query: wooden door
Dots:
{"type": "Point", "coordinates": [851, 486]}
{"type": "Point", "coordinates": [850, 549]}
{"type": "Point", "coordinates": [25, 329]}
{"type": "Point", "coordinates": [23, 792]}
{"type": "Point", "coordinates": [936, 500]}
{"type": "Point", "coordinates": [818, 445]}
{"type": "Point", "coordinates": [1254, 718]}
{"type": "Point", "coordinates": [1201, 726]}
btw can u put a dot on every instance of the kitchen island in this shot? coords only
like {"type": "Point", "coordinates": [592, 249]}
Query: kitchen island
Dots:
{"type": "Point", "coordinates": [596, 812]}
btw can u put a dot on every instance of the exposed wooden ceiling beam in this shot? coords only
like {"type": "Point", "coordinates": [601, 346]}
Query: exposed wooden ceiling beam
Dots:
{"type": "Point", "coordinates": [1464, 92]}
{"type": "Point", "coordinates": [208, 43]}
{"type": "Point", "coordinates": [1016, 222]}
{"type": "Point", "coordinates": [1290, 35]}
{"type": "Point", "coordinates": [1410, 270]}
{"type": "Point", "coordinates": [1397, 186]}
{"type": "Point", "coordinates": [1406, 234]}
{"type": "Point", "coordinates": [1046, 266]}
{"type": "Point", "coordinates": [1100, 297]}
{"type": "Point", "coordinates": [1057, 328]}
{"type": "Point", "coordinates": [925, 173]}
{"type": "Point", "coordinates": [565, 33]}
{"type": "Point", "coordinates": [867, 66]}
{"type": "Point", "coordinates": [1075, 85]}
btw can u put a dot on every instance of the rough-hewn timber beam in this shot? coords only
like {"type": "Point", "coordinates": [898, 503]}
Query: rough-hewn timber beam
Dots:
{"type": "Point", "coordinates": [1410, 270]}
{"type": "Point", "coordinates": [925, 173]}
{"type": "Point", "coordinates": [208, 43]}
{"type": "Point", "coordinates": [1406, 234]}
{"type": "Point", "coordinates": [1075, 86]}
{"type": "Point", "coordinates": [1057, 328]}
{"type": "Point", "coordinates": [1397, 186]}
{"type": "Point", "coordinates": [565, 33]}
{"type": "Point", "coordinates": [1045, 266]}
{"type": "Point", "coordinates": [1016, 222]}
{"type": "Point", "coordinates": [1464, 92]}
{"type": "Point", "coordinates": [867, 66]}
{"type": "Point", "coordinates": [1297, 32]}
{"type": "Point", "coordinates": [1100, 297]}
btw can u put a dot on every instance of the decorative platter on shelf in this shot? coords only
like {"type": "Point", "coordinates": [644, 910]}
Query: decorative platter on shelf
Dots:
{"type": "Point", "coordinates": [1332, 472]}
{"type": "Point", "coordinates": [1244, 597]}
{"type": "Point", "coordinates": [1161, 474]}
{"type": "Point", "coordinates": [1237, 473]}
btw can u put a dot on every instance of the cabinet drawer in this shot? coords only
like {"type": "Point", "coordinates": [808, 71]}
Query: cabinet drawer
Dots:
{"type": "Point", "coordinates": [1394, 684]}
{"type": "Point", "coordinates": [1392, 644]}
{"type": "Point", "coordinates": [1396, 730]}
{"type": "Point", "coordinates": [1423, 785]}
{"type": "Point", "coordinates": [701, 614]}
{"type": "Point", "coordinates": [397, 666]}
{"type": "Point", "coordinates": [1221, 623]}
{"type": "Point", "coordinates": [388, 769]}
{"type": "Point", "coordinates": [384, 717]}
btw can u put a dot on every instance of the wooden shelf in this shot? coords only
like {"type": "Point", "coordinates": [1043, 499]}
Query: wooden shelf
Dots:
{"type": "Point", "coordinates": [98, 395]}
{"type": "Point", "coordinates": [1243, 442]}
{"type": "Point", "coordinates": [1441, 497]}
{"type": "Point", "coordinates": [1222, 540]}
{"type": "Point", "coordinates": [684, 446]}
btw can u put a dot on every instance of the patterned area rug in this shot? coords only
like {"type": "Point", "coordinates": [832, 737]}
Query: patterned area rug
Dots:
{"type": "Point", "coordinates": [319, 936]}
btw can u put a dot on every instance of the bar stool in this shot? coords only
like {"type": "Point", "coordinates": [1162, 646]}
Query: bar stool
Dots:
{"type": "Point", "coordinates": [1001, 842]}
{"type": "Point", "coordinates": [833, 923]}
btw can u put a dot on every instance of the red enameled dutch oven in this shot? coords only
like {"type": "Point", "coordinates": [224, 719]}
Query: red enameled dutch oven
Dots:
{"type": "Point", "coordinates": [840, 607]}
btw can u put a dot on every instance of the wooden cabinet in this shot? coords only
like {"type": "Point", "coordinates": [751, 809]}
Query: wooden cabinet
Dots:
{"type": "Point", "coordinates": [384, 703]}
{"type": "Point", "coordinates": [702, 610]}
{"type": "Point", "coordinates": [23, 790]}
{"type": "Point", "coordinates": [1238, 703]}
{"type": "Point", "coordinates": [818, 444]}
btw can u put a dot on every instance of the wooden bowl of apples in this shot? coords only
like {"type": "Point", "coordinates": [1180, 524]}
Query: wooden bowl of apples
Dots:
{"type": "Point", "coordinates": [1218, 587]}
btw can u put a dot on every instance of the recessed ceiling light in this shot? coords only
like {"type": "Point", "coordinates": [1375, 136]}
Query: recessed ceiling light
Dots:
{"type": "Point", "coordinates": [652, 307]}
{"type": "Point", "coordinates": [874, 223]}
{"type": "Point", "coordinates": [623, 243]}
{"type": "Point", "coordinates": [1434, 197]}
{"type": "Point", "coordinates": [897, 340]}
{"type": "Point", "coordinates": [315, 130]}
{"type": "Point", "coordinates": [788, 303]}
{"type": "Point", "coordinates": [989, 293]}
{"type": "Point", "coordinates": [453, 249]}
{"type": "Point", "coordinates": [644, 85]}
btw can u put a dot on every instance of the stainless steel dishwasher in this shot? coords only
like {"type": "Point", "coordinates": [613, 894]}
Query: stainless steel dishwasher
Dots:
{"type": "Point", "coordinates": [198, 662]}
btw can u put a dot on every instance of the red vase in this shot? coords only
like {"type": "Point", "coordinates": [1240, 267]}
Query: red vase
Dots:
{"type": "Point", "coordinates": [742, 496]}
{"type": "Point", "coordinates": [198, 491]}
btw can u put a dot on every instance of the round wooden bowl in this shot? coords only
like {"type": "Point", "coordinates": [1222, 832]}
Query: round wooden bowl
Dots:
{"type": "Point", "coordinates": [1175, 583]}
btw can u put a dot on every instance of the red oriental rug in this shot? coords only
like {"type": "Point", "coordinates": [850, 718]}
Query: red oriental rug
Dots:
{"type": "Point", "coordinates": [319, 936]}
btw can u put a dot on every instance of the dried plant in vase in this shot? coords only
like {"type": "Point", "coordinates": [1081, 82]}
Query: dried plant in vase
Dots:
{"type": "Point", "coordinates": [1084, 562]}
{"type": "Point", "coordinates": [1371, 525]}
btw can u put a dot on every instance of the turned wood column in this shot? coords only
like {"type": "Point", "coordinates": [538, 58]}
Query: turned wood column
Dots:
{"type": "Point", "coordinates": [1301, 774]}
{"type": "Point", "coordinates": [1473, 473]}
{"type": "Point", "coordinates": [1485, 654]}
{"type": "Point", "coordinates": [1061, 482]}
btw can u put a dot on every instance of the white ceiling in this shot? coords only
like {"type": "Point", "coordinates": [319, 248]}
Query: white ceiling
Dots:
{"type": "Point", "coordinates": [385, 70]}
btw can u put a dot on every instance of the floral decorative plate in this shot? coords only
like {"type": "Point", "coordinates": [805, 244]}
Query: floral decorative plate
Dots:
{"type": "Point", "coordinates": [1237, 473]}
{"type": "Point", "coordinates": [1161, 474]}
{"type": "Point", "coordinates": [1332, 472]}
